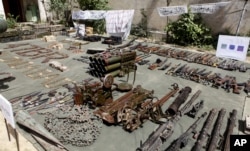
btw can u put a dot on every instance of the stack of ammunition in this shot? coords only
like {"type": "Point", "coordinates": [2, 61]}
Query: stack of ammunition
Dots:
{"type": "Point", "coordinates": [117, 65]}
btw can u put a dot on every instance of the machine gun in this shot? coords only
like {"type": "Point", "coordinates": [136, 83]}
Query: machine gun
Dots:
{"type": "Point", "coordinates": [165, 130]}
{"type": "Point", "coordinates": [216, 130]}
{"type": "Point", "coordinates": [113, 113]}
{"type": "Point", "coordinates": [229, 130]}
{"type": "Point", "coordinates": [183, 139]}
{"type": "Point", "coordinates": [204, 131]}
{"type": "Point", "coordinates": [147, 110]}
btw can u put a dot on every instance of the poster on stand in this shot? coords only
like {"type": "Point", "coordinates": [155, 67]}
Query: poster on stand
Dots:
{"type": "Point", "coordinates": [233, 47]}
{"type": "Point", "coordinates": [7, 111]}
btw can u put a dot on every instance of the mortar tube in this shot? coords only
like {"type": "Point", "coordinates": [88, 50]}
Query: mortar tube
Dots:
{"type": "Point", "coordinates": [114, 73]}
{"type": "Point", "coordinates": [97, 67]}
{"type": "Point", "coordinates": [112, 67]}
{"type": "Point", "coordinates": [93, 65]}
{"type": "Point", "coordinates": [180, 99]}
{"type": "Point", "coordinates": [112, 60]}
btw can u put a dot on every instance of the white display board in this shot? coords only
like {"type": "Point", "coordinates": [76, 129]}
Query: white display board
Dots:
{"type": "Point", "coordinates": [7, 111]}
{"type": "Point", "coordinates": [233, 47]}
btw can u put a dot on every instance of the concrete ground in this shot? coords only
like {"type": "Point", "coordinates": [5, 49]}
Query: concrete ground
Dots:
{"type": "Point", "coordinates": [114, 138]}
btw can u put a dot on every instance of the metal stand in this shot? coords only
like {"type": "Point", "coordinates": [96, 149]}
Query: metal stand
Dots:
{"type": "Point", "coordinates": [13, 132]}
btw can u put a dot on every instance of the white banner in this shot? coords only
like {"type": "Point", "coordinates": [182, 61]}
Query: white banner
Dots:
{"type": "Point", "coordinates": [7, 111]}
{"type": "Point", "coordinates": [118, 22]}
{"type": "Point", "coordinates": [91, 14]}
{"type": "Point", "coordinates": [172, 10]}
{"type": "Point", "coordinates": [208, 8]}
{"type": "Point", "coordinates": [233, 47]}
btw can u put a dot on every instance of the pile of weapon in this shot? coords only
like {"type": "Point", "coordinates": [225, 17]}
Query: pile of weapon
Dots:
{"type": "Point", "coordinates": [115, 63]}
{"type": "Point", "coordinates": [200, 58]}
{"type": "Point", "coordinates": [209, 78]}
{"type": "Point", "coordinates": [35, 52]}
{"type": "Point", "coordinates": [166, 129]}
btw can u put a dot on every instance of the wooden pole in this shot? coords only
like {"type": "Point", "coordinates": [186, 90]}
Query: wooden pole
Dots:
{"type": "Point", "coordinates": [241, 17]}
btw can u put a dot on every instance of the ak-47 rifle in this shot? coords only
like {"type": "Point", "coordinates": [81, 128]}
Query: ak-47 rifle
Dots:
{"type": "Point", "coordinates": [206, 59]}
{"type": "Point", "coordinates": [182, 141]}
{"type": "Point", "coordinates": [216, 130]}
{"type": "Point", "coordinates": [199, 76]}
{"type": "Point", "coordinates": [229, 130]}
{"type": "Point", "coordinates": [246, 86]}
{"type": "Point", "coordinates": [232, 84]}
{"type": "Point", "coordinates": [165, 66]}
{"type": "Point", "coordinates": [172, 69]}
{"type": "Point", "coordinates": [242, 67]}
{"type": "Point", "coordinates": [165, 130]}
{"type": "Point", "coordinates": [158, 63]}
{"type": "Point", "coordinates": [204, 131]}
{"type": "Point", "coordinates": [179, 70]}
{"type": "Point", "coordinates": [190, 72]}
{"type": "Point", "coordinates": [24, 97]}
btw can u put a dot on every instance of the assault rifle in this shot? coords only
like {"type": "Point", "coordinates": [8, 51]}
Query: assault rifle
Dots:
{"type": "Point", "coordinates": [165, 130]}
{"type": "Point", "coordinates": [242, 67]}
{"type": "Point", "coordinates": [183, 139]}
{"type": "Point", "coordinates": [25, 97]}
{"type": "Point", "coordinates": [246, 86]}
{"type": "Point", "coordinates": [190, 72]}
{"type": "Point", "coordinates": [165, 66]}
{"type": "Point", "coordinates": [172, 69]}
{"type": "Point", "coordinates": [158, 63]}
{"type": "Point", "coordinates": [179, 70]}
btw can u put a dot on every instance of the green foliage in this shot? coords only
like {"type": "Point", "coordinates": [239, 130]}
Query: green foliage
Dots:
{"type": "Point", "coordinates": [11, 20]}
{"type": "Point", "coordinates": [141, 29]}
{"type": "Point", "coordinates": [93, 4]}
{"type": "Point", "coordinates": [98, 25]}
{"type": "Point", "coordinates": [58, 6]}
{"type": "Point", "coordinates": [189, 30]}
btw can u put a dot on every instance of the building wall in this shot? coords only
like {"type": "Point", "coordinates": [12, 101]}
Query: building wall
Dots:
{"type": "Point", "coordinates": [227, 18]}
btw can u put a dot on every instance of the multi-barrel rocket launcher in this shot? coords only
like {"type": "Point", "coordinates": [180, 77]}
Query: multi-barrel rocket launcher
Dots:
{"type": "Point", "coordinates": [115, 64]}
